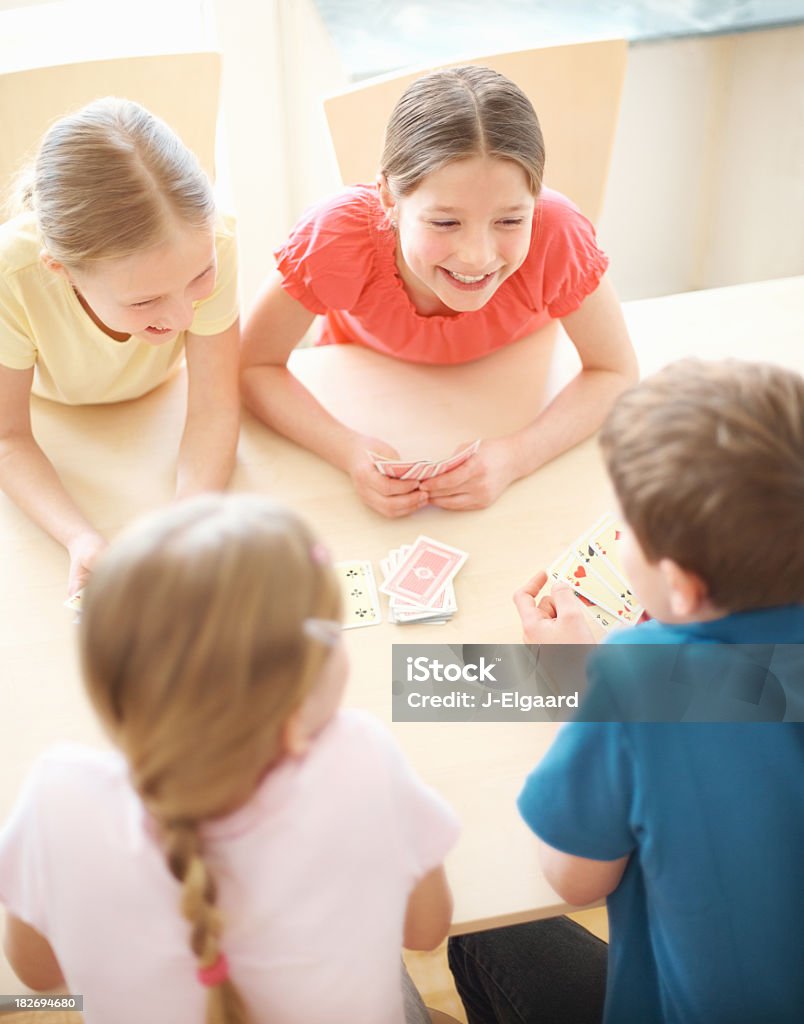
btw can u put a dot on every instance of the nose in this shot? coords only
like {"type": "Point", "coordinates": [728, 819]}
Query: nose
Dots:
{"type": "Point", "coordinates": [179, 315]}
{"type": "Point", "coordinates": [475, 250]}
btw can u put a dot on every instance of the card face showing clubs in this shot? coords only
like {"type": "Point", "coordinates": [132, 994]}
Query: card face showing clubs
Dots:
{"type": "Point", "coordinates": [361, 602]}
{"type": "Point", "coordinates": [426, 570]}
{"type": "Point", "coordinates": [423, 469]}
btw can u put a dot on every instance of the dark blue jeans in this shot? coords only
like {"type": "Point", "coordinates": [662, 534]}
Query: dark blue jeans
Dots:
{"type": "Point", "coordinates": [543, 972]}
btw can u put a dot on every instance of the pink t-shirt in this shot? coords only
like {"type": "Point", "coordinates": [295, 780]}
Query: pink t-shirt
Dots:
{"type": "Point", "coordinates": [340, 262]}
{"type": "Point", "coordinates": [314, 875]}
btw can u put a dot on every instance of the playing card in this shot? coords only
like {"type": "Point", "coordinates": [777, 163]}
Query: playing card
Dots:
{"type": "Point", "coordinates": [361, 602]}
{"type": "Point", "coordinates": [428, 567]}
{"type": "Point", "coordinates": [604, 537]}
{"type": "Point", "coordinates": [457, 459]}
{"type": "Point", "coordinates": [423, 469]}
{"type": "Point", "coordinates": [74, 602]}
{"type": "Point", "coordinates": [595, 563]}
{"type": "Point", "coordinates": [572, 570]}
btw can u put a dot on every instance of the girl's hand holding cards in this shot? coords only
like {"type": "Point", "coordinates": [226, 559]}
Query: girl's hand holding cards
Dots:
{"type": "Point", "coordinates": [389, 497]}
{"type": "Point", "coordinates": [478, 482]}
{"type": "Point", "coordinates": [558, 618]}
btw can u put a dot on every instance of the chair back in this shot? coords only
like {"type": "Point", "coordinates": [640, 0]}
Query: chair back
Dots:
{"type": "Point", "coordinates": [575, 90]}
{"type": "Point", "coordinates": [183, 89]}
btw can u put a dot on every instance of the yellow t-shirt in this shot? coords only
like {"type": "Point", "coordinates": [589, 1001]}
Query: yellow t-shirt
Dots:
{"type": "Point", "coordinates": [43, 324]}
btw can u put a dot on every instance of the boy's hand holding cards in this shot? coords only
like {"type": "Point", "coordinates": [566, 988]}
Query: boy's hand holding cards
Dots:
{"type": "Point", "coordinates": [423, 469]}
{"type": "Point", "coordinates": [592, 567]}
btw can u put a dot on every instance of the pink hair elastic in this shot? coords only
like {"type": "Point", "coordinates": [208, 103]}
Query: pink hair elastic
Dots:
{"type": "Point", "coordinates": [319, 554]}
{"type": "Point", "coordinates": [215, 974]}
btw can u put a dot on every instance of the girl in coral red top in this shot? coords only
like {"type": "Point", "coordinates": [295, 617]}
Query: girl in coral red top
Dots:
{"type": "Point", "coordinates": [457, 251]}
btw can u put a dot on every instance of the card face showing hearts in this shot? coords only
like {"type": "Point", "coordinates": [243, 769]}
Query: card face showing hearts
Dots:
{"type": "Point", "coordinates": [426, 570]}
{"type": "Point", "coordinates": [361, 602]}
{"type": "Point", "coordinates": [575, 572]}
{"type": "Point", "coordinates": [595, 564]}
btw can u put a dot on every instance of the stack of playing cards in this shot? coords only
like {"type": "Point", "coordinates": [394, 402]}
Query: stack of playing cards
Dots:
{"type": "Point", "coordinates": [423, 469]}
{"type": "Point", "coordinates": [593, 569]}
{"type": "Point", "coordinates": [418, 579]}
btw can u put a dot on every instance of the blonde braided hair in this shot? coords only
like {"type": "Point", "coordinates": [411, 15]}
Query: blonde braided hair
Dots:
{"type": "Point", "coordinates": [195, 685]}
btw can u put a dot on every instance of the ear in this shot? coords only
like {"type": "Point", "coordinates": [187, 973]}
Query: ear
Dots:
{"type": "Point", "coordinates": [687, 591]}
{"type": "Point", "coordinates": [53, 264]}
{"type": "Point", "coordinates": [386, 198]}
{"type": "Point", "coordinates": [294, 738]}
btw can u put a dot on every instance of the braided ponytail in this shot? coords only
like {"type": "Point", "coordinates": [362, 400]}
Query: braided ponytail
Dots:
{"type": "Point", "coordinates": [199, 893]}
{"type": "Point", "coordinates": [196, 688]}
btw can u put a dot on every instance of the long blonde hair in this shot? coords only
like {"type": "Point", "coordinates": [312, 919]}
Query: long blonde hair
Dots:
{"type": "Point", "coordinates": [109, 180]}
{"type": "Point", "coordinates": [195, 652]}
{"type": "Point", "coordinates": [458, 113]}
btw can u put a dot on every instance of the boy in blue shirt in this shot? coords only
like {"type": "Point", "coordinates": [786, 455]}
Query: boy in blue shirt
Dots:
{"type": "Point", "coordinates": [694, 832]}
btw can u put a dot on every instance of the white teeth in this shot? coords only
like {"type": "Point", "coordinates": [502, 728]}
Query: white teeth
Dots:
{"type": "Point", "coordinates": [464, 279]}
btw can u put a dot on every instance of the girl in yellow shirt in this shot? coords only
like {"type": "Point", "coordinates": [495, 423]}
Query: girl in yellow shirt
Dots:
{"type": "Point", "coordinates": [117, 266]}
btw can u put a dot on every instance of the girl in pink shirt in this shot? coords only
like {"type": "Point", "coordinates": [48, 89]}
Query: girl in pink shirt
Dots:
{"type": "Point", "coordinates": [457, 251]}
{"type": "Point", "coordinates": [249, 853]}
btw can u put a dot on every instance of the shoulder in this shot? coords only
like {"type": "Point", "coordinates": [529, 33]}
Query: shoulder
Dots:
{"type": "Point", "coordinates": [556, 215]}
{"type": "Point", "coordinates": [650, 632]}
{"type": "Point", "coordinates": [331, 252]}
{"type": "Point", "coordinates": [352, 209]}
{"type": "Point", "coordinates": [564, 263]}
{"type": "Point", "coordinates": [225, 232]}
{"type": "Point", "coordinates": [66, 786]}
{"type": "Point", "coordinates": [359, 730]}
{"type": "Point", "coordinates": [75, 769]}
{"type": "Point", "coordinates": [19, 244]}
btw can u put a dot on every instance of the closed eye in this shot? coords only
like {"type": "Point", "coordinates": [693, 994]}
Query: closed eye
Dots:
{"type": "Point", "coordinates": [443, 223]}
{"type": "Point", "coordinates": [512, 222]}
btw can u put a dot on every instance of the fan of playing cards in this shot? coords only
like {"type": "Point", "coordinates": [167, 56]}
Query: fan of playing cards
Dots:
{"type": "Point", "coordinates": [592, 567]}
{"type": "Point", "coordinates": [423, 469]}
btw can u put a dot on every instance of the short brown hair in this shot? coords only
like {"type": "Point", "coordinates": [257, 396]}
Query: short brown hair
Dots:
{"type": "Point", "coordinates": [707, 460]}
{"type": "Point", "coordinates": [455, 114]}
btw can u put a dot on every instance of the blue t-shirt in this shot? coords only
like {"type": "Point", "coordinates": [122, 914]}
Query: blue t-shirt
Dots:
{"type": "Point", "coordinates": [707, 924]}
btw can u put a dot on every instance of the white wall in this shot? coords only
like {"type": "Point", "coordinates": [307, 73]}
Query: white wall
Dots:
{"type": "Point", "coordinates": [707, 178]}
{"type": "Point", "coordinates": [278, 62]}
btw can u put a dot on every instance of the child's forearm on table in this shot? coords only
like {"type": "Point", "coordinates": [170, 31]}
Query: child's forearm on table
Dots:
{"type": "Point", "coordinates": [573, 415]}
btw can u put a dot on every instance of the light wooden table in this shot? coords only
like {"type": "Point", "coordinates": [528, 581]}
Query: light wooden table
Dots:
{"type": "Point", "coordinates": [119, 461]}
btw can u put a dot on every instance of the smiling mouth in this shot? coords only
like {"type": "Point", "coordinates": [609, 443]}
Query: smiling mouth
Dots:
{"type": "Point", "coordinates": [159, 330]}
{"type": "Point", "coordinates": [471, 282]}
